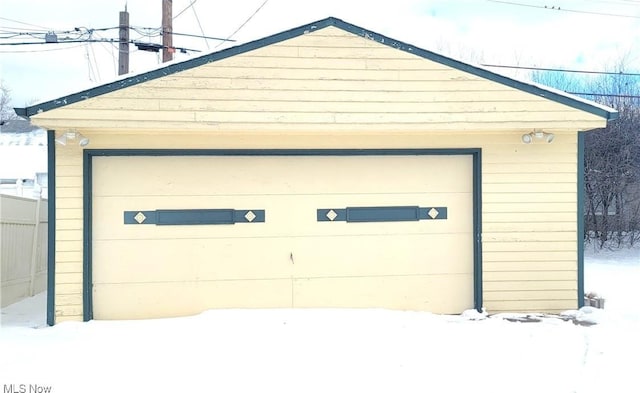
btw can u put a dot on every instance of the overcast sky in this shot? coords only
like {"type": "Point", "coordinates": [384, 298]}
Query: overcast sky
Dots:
{"type": "Point", "coordinates": [518, 32]}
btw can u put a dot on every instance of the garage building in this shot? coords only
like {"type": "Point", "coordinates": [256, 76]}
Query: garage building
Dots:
{"type": "Point", "coordinates": [324, 166]}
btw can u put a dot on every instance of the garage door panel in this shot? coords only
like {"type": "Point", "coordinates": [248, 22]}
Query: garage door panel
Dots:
{"type": "Point", "coordinates": [225, 175]}
{"type": "Point", "coordinates": [216, 259]}
{"type": "Point", "coordinates": [284, 216]}
{"type": "Point", "coordinates": [291, 259]}
{"type": "Point", "coordinates": [168, 299]}
{"type": "Point", "coordinates": [152, 260]}
{"type": "Point", "coordinates": [431, 293]}
{"type": "Point", "coordinates": [382, 255]}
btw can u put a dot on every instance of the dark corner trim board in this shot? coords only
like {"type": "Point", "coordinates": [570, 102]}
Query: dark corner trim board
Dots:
{"type": "Point", "coordinates": [124, 82]}
{"type": "Point", "coordinates": [51, 228]}
{"type": "Point", "coordinates": [89, 154]}
{"type": "Point", "coordinates": [580, 218]}
{"type": "Point", "coordinates": [477, 230]}
{"type": "Point", "coordinates": [87, 282]}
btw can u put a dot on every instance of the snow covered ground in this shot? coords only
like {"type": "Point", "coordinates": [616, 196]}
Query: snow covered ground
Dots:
{"type": "Point", "coordinates": [335, 350]}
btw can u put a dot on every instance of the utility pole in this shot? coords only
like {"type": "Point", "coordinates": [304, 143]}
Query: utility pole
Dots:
{"type": "Point", "coordinates": [123, 52]}
{"type": "Point", "coordinates": [167, 30]}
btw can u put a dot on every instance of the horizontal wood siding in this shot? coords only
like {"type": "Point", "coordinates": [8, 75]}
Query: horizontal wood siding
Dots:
{"type": "Point", "coordinates": [68, 289]}
{"type": "Point", "coordinates": [529, 227]}
{"type": "Point", "coordinates": [327, 80]}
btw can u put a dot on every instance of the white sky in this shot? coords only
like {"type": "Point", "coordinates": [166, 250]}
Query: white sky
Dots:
{"type": "Point", "coordinates": [478, 31]}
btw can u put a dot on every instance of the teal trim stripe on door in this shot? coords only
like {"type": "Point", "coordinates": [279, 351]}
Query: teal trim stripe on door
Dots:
{"type": "Point", "coordinates": [193, 216]}
{"type": "Point", "coordinates": [382, 214]}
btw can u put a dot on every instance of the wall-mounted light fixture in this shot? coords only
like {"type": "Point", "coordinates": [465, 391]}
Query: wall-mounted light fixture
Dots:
{"type": "Point", "coordinates": [72, 136]}
{"type": "Point", "coordinates": [537, 134]}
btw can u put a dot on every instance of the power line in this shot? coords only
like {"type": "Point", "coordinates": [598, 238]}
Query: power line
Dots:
{"type": "Point", "coordinates": [24, 23]}
{"type": "Point", "coordinates": [186, 8]}
{"type": "Point", "coordinates": [562, 70]}
{"type": "Point", "coordinates": [109, 49]}
{"type": "Point", "coordinates": [41, 50]}
{"type": "Point", "coordinates": [77, 33]}
{"type": "Point", "coordinates": [604, 95]}
{"type": "Point", "coordinates": [203, 36]}
{"type": "Point", "coordinates": [150, 32]}
{"type": "Point", "coordinates": [19, 31]}
{"type": "Point", "coordinates": [554, 8]}
{"type": "Point", "coordinates": [72, 41]}
{"type": "Point", "coordinates": [43, 43]}
{"type": "Point", "coordinates": [89, 65]}
{"type": "Point", "coordinates": [619, 2]}
{"type": "Point", "coordinates": [198, 20]}
{"type": "Point", "coordinates": [150, 45]}
{"type": "Point", "coordinates": [246, 21]}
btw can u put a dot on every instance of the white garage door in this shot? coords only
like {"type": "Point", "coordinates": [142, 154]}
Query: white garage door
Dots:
{"type": "Point", "coordinates": [176, 235]}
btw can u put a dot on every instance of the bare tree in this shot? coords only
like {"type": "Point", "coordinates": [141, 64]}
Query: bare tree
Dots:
{"type": "Point", "coordinates": [611, 177]}
{"type": "Point", "coordinates": [6, 111]}
{"type": "Point", "coordinates": [560, 80]}
{"type": "Point", "coordinates": [612, 156]}
{"type": "Point", "coordinates": [612, 162]}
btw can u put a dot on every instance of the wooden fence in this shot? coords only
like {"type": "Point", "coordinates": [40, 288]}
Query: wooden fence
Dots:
{"type": "Point", "coordinates": [23, 247]}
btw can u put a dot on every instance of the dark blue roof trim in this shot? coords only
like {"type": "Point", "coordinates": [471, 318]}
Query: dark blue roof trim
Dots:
{"type": "Point", "coordinates": [223, 54]}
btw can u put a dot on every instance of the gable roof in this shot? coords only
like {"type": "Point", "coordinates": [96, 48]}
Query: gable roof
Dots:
{"type": "Point", "coordinates": [131, 80]}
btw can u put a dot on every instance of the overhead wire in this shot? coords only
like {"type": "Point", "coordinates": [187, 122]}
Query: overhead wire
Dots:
{"type": "Point", "coordinates": [202, 36]}
{"type": "Point", "coordinates": [43, 50]}
{"type": "Point", "coordinates": [23, 28]}
{"type": "Point", "coordinates": [618, 2]}
{"type": "Point", "coordinates": [95, 62]}
{"type": "Point", "coordinates": [150, 31]}
{"type": "Point", "coordinates": [91, 52]}
{"type": "Point", "coordinates": [560, 70]}
{"type": "Point", "coordinates": [604, 94]}
{"type": "Point", "coordinates": [142, 31]}
{"type": "Point", "coordinates": [24, 23]}
{"type": "Point", "coordinates": [195, 13]}
{"type": "Point", "coordinates": [7, 35]}
{"type": "Point", "coordinates": [554, 8]}
{"type": "Point", "coordinates": [154, 32]}
{"type": "Point", "coordinates": [109, 49]}
{"type": "Point", "coordinates": [90, 70]}
{"type": "Point", "coordinates": [186, 8]}
{"type": "Point", "coordinates": [245, 22]}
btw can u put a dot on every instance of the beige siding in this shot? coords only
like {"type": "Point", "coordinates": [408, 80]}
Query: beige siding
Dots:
{"type": "Point", "coordinates": [529, 242]}
{"type": "Point", "coordinates": [328, 80]}
{"type": "Point", "coordinates": [331, 89]}
{"type": "Point", "coordinates": [68, 280]}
